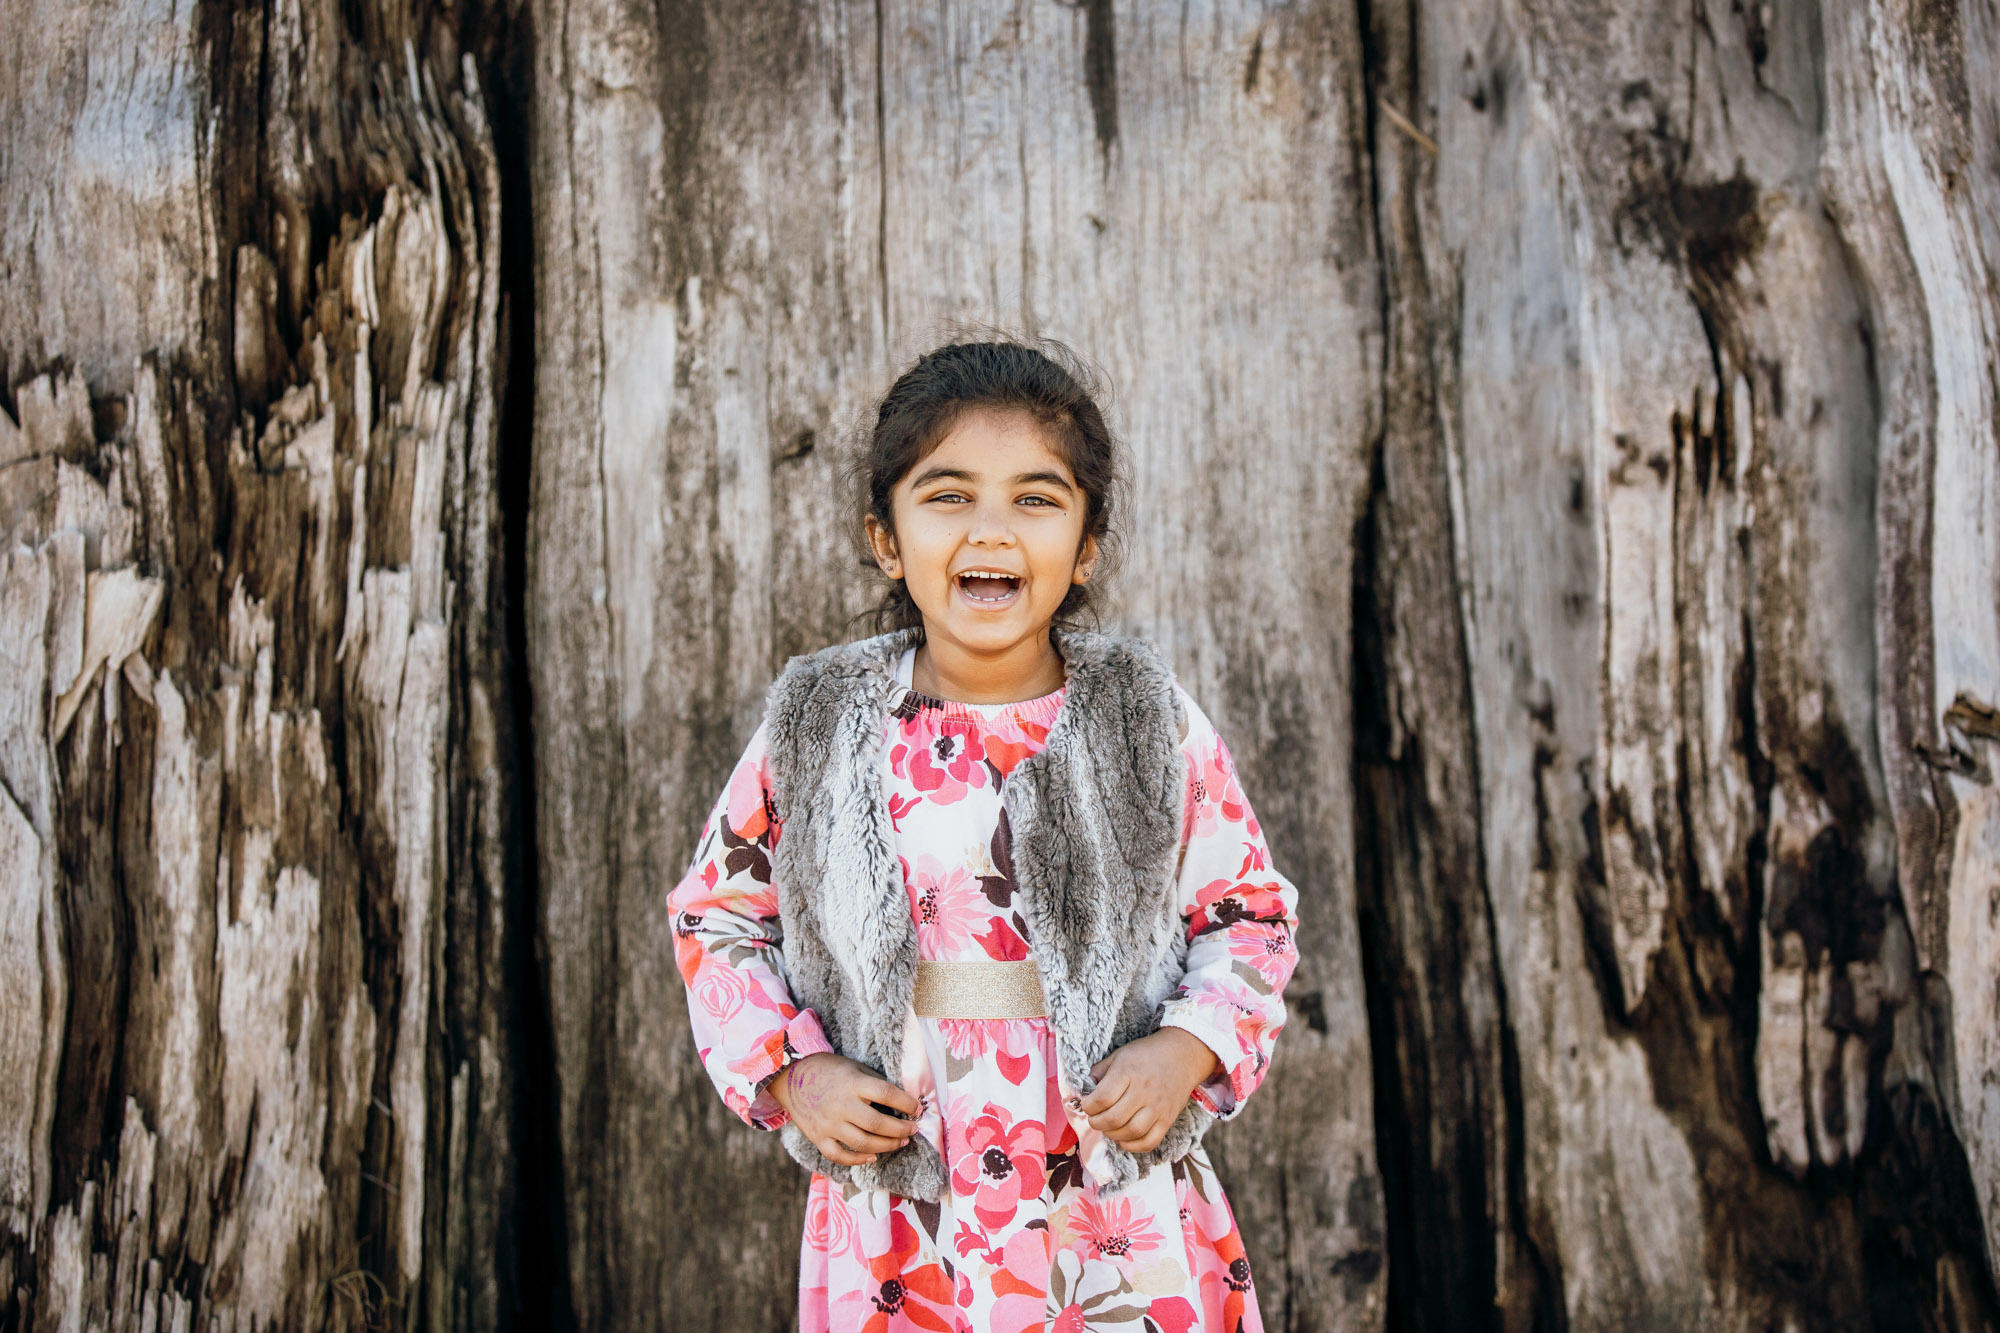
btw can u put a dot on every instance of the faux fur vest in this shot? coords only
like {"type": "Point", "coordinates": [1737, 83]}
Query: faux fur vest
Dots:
{"type": "Point", "coordinates": [1096, 823]}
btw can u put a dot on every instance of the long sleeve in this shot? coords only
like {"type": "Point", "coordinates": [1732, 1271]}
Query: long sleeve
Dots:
{"type": "Point", "coordinates": [727, 940]}
{"type": "Point", "coordinates": [1240, 916]}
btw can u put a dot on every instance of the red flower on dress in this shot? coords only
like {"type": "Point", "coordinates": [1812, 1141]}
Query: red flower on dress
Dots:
{"type": "Point", "coordinates": [1223, 902]}
{"type": "Point", "coordinates": [922, 1295]}
{"type": "Point", "coordinates": [1112, 1229]}
{"type": "Point", "coordinates": [1070, 1320]}
{"type": "Point", "coordinates": [999, 1163]}
{"type": "Point", "coordinates": [1010, 740]}
{"type": "Point", "coordinates": [1174, 1314]}
{"type": "Point", "coordinates": [1002, 941]}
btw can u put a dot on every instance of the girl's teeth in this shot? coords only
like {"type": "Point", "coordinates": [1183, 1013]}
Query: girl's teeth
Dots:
{"type": "Point", "coordinates": [984, 589]}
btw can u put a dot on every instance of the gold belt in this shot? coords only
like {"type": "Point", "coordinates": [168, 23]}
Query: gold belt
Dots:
{"type": "Point", "coordinates": [980, 988]}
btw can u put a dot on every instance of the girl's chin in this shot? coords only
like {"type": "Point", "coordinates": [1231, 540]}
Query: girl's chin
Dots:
{"type": "Point", "coordinates": [984, 630]}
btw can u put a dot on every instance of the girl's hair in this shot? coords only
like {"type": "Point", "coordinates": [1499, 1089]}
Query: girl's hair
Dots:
{"type": "Point", "coordinates": [1047, 381]}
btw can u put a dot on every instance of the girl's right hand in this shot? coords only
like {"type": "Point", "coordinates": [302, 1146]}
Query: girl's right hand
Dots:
{"type": "Point", "coordinates": [828, 1098]}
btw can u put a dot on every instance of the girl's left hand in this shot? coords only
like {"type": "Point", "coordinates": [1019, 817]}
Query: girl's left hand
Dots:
{"type": "Point", "coordinates": [1143, 1085]}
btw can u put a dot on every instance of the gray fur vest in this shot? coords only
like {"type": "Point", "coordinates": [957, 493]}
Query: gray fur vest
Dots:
{"type": "Point", "coordinates": [1095, 818]}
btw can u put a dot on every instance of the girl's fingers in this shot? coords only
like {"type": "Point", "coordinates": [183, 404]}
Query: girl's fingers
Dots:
{"type": "Point", "coordinates": [1142, 1134]}
{"type": "Point", "coordinates": [856, 1137]}
{"type": "Point", "coordinates": [889, 1095]}
{"type": "Point", "coordinates": [888, 1126]}
{"type": "Point", "coordinates": [838, 1152]}
{"type": "Point", "coordinates": [1105, 1096]}
{"type": "Point", "coordinates": [1118, 1120]}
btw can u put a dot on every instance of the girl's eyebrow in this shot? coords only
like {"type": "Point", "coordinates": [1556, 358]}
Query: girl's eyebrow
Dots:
{"type": "Point", "coordinates": [929, 475]}
{"type": "Point", "coordinates": [1044, 478]}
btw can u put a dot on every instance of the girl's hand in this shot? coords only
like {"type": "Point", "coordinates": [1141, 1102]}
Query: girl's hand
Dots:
{"type": "Point", "coordinates": [828, 1097]}
{"type": "Point", "coordinates": [1143, 1085]}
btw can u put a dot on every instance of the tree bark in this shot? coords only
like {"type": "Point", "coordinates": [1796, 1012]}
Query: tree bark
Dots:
{"type": "Point", "coordinates": [254, 723]}
{"type": "Point", "coordinates": [1679, 305]}
{"type": "Point", "coordinates": [1562, 444]}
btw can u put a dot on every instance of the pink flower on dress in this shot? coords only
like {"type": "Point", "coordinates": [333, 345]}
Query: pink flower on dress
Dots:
{"type": "Point", "coordinates": [1214, 794]}
{"type": "Point", "coordinates": [968, 1038]}
{"type": "Point", "coordinates": [721, 989]}
{"type": "Point", "coordinates": [1020, 1294]}
{"type": "Point", "coordinates": [829, 1224]}
{"type": "Point", "coordinates": [998, 1163]}
{"type": "Point", "coordinates": [749, 809]}
{"type": "Point", "coordinates": [941, 757]}
{"type": "Point", "coordinates": [1113, 1230]}
{"type": "Point", "coordinates": [1268, 949]}
{"type": "Point", "coordinates": [1012, 1042]}
{"type": "Point", "coordinates": [946, 902]}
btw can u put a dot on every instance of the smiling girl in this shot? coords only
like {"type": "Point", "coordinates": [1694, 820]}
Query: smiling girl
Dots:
{"type": "Point", "coordinates": [983, 922]}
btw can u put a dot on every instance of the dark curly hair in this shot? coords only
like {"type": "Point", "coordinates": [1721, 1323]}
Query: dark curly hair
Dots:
{"type": "Point", "coordinates": [1047, 381]}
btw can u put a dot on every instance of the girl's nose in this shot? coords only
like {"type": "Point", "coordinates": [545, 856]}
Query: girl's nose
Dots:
{"type": "Point", "coordinates": [990, 528]}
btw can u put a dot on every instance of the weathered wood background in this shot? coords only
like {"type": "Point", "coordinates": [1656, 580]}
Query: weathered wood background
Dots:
{"type": "Point", "coordinates": [1565, 463]}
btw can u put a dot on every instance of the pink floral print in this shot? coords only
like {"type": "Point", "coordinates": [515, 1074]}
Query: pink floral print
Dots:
{"type": "Point", "coordinates": [945, 900]}
{"type": "Point", "coordinates": [1024, 1240]}
{"type": "Point", "coordinates": [998, 1163]}
{"type": "Point", "coordinates": [942, 758]}
{"type": "Point", "coordinates": [1114, 1230]}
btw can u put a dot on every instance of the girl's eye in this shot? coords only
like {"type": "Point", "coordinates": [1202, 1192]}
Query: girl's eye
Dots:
{"type": "Point", "coordinates": [1041, 500]}
{"type": "Point", "coordinates": [952, 497]}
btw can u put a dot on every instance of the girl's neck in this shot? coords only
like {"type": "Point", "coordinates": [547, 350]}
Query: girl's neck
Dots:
{"type": "Point", "coordinates": [1026, 670]}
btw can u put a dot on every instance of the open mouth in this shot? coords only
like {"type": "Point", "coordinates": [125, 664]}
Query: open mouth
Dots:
{"type": "Point", "coordinates": [988, 587]}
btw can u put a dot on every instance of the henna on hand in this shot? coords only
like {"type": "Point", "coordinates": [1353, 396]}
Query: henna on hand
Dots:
{"type": "Point", "coordinates": [846, 1110]}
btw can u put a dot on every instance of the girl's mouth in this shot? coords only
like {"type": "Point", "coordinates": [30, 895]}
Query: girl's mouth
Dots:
{"type": "Point", "coordinates": [988, 588]}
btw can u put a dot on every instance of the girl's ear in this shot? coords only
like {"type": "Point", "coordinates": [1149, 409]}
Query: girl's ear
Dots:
{"type": "Point", "coordinates": [882, 543]}
{"type": "Point", "coordinates": [1086, 562]}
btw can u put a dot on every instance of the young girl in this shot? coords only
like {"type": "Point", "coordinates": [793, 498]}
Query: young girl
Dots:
{"type": "Point", "coordinates": [983, 921]}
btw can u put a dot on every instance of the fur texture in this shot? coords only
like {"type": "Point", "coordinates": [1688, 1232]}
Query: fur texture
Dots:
{"type": "Point", "coordinates": [1096, 820]}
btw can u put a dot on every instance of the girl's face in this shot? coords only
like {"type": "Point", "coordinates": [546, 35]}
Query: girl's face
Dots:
{"type": "Point", "coordinates": [988, 533]}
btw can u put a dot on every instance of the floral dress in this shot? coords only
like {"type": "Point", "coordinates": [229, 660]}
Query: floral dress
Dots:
{"type": "Point", "coordinates": [1023, 1239]}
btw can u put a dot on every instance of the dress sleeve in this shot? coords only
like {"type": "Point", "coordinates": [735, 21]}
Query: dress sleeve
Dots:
{"type": "Point", "coordinates": [1240, 916]}
{"type": "Point", "coordinates": [727, 940]}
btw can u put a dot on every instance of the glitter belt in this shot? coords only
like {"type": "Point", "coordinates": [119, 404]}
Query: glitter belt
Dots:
{"type": "Point", "coordinates": [980, 988]}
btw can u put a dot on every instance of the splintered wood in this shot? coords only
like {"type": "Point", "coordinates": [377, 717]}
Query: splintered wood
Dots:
{"type": "Point", "coordinates": [228, 789]}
